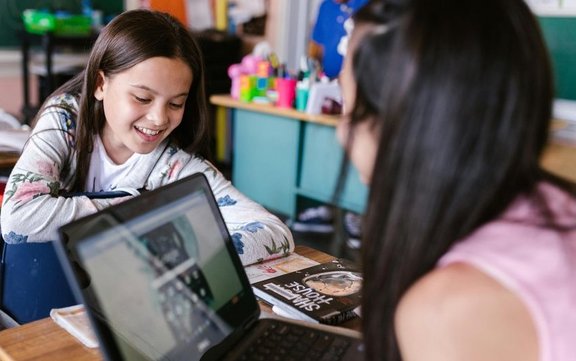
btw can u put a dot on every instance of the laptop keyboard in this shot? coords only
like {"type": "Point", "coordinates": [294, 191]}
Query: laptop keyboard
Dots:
{"type": "Point", "coordinates": [289, 342]}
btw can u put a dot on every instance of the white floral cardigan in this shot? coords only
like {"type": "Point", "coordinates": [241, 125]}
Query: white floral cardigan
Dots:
{"type": "Point", "coordinates": [34, 208]}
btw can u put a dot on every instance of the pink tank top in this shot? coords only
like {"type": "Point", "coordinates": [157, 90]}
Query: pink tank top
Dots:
{"type": "Point", "coordinates": [536, 263]}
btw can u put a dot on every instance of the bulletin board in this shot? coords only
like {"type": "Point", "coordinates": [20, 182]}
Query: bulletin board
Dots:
{"type": "Point", "coordinates": [11, 11]}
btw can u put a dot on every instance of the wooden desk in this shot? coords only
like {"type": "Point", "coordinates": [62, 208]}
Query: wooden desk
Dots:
{"type": "Point", "coordinates": [44, 340]}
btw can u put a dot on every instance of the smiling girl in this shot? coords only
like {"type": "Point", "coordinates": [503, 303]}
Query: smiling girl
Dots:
{"type": "Point", "coordinates": [135, 119]}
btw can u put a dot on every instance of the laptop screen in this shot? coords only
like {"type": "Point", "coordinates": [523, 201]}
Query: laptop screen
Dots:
{"type": "Point", "coordinates": [158, 274]}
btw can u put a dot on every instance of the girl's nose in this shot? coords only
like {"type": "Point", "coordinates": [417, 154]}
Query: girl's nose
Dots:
{"type": "Point", "coordinates": [158, 114]}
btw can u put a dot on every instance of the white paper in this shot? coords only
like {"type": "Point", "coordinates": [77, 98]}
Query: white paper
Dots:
{"type": "Point", "coordinates": [74, 320]}
{"type": "Point", "coordinates": [269, 269]}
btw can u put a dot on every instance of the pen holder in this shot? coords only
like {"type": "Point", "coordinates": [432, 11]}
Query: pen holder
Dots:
{"type": "Point", "coordinates": [286, 89]}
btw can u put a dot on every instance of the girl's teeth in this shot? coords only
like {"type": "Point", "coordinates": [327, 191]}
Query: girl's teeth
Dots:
{"type": "Point", "coordinates": [148, 131]}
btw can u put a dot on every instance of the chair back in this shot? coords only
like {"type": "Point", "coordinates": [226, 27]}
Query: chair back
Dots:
{"type": "Point", "coordinates": [32, 281]}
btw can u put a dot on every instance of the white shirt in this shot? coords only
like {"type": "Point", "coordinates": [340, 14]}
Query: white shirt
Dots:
{"type": "Point", "coordinates": [104, 175]}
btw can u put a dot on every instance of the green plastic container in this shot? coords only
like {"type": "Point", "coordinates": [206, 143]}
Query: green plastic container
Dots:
{"type": "Point", "coordinates": [41, 22]}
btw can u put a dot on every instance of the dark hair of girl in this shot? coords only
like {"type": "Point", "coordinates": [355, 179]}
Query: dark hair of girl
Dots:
{"type": "Point", "coordinates": [130, 38]}
{"type": "Point", "coordinates": [461, 101]}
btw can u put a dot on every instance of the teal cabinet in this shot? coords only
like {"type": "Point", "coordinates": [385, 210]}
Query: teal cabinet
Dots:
{"type": "Point", "coordinates": [278, 158]}
{"type": "Point", "coordinates": [265, 158]}
{"type": "Point", "coordinates": [321, 161]}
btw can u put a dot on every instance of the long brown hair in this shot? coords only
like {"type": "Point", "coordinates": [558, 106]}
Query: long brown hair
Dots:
{"type": "Point", "coordinates": [461, 101]}
{"type": "Point", "coordinates": [127, 40]}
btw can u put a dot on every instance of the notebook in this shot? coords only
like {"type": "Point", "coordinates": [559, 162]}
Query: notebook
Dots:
{"type": "Point", "coordinates": [161, 280]}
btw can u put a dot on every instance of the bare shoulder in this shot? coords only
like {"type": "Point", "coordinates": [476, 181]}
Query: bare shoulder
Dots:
{"type": "Point", "coordinates": [460, 313]}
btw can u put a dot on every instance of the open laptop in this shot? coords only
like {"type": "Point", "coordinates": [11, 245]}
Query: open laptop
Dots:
{"type": "Point", "coordinates": [161, 280]}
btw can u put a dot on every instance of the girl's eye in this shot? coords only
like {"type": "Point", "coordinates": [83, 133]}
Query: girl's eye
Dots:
{"type": "Point", "coordinates": [176, 106]}
{"type": "Point", "coordinates": [141, 100]}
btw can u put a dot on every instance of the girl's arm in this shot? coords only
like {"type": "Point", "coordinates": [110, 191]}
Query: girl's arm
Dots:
{"type": "Point", "coordinates": [33, 209]}
{"type": "Point", "coordinates": [256, 233]}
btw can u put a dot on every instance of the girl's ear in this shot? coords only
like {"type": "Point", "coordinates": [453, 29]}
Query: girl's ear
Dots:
{"type": "Point", "coordinates": [100, 84]}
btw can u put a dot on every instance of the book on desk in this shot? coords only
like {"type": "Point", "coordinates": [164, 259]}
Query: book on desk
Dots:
{"type": "Point", "coordinates": [327, 293]}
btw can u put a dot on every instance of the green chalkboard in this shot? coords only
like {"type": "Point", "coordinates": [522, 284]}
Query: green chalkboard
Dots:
{"type": "Point", "coordinates": [560, 35]}
{"type": "Point", "coordinates": [11, 11]}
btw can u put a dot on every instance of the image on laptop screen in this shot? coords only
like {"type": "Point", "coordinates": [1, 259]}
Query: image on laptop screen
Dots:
{"type": "Point", "coordinates": [160, 291]}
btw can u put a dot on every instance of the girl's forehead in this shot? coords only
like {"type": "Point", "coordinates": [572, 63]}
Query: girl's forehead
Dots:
{"type": "Point", "coordinates": [152, 66]}
{"type": "Point", "coordinates": [159, 74]}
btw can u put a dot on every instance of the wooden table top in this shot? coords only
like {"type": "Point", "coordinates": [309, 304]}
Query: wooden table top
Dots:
{"type": "Point", "coordinates": [44, 340]}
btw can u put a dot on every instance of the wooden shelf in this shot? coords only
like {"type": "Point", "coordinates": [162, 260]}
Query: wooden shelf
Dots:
{"type": "Point", "coordinates": [229, 102]}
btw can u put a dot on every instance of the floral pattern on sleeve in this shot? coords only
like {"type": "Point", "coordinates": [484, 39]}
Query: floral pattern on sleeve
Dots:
{"type": "Point", "coordinates": [237, 241]}
{"type": "Point", "coordinates": [24, 187]}
{"type": "Point", "coordinates": [253, 227]}
{"type": "Point", "coordinates": [174, 169]}
{"type": "Point", "coordinates": [13, 238]}
{"type": "Point", "coordinates": [60, 106]}
{"type": "Point", "coordinates": [226, 201]}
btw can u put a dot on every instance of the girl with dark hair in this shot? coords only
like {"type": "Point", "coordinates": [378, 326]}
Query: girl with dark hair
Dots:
{"type": "Point", "coordinates": [135, 119]}
{"type": "Point", "coordinates": [470, 246]}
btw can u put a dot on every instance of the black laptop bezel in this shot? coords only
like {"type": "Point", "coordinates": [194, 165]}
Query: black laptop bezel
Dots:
{"type": "Point", "coordinates": [239, 316]}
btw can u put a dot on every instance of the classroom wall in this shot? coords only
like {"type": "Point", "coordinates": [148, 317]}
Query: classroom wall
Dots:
{"type": "Point", "coordinates": [11, 101]}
